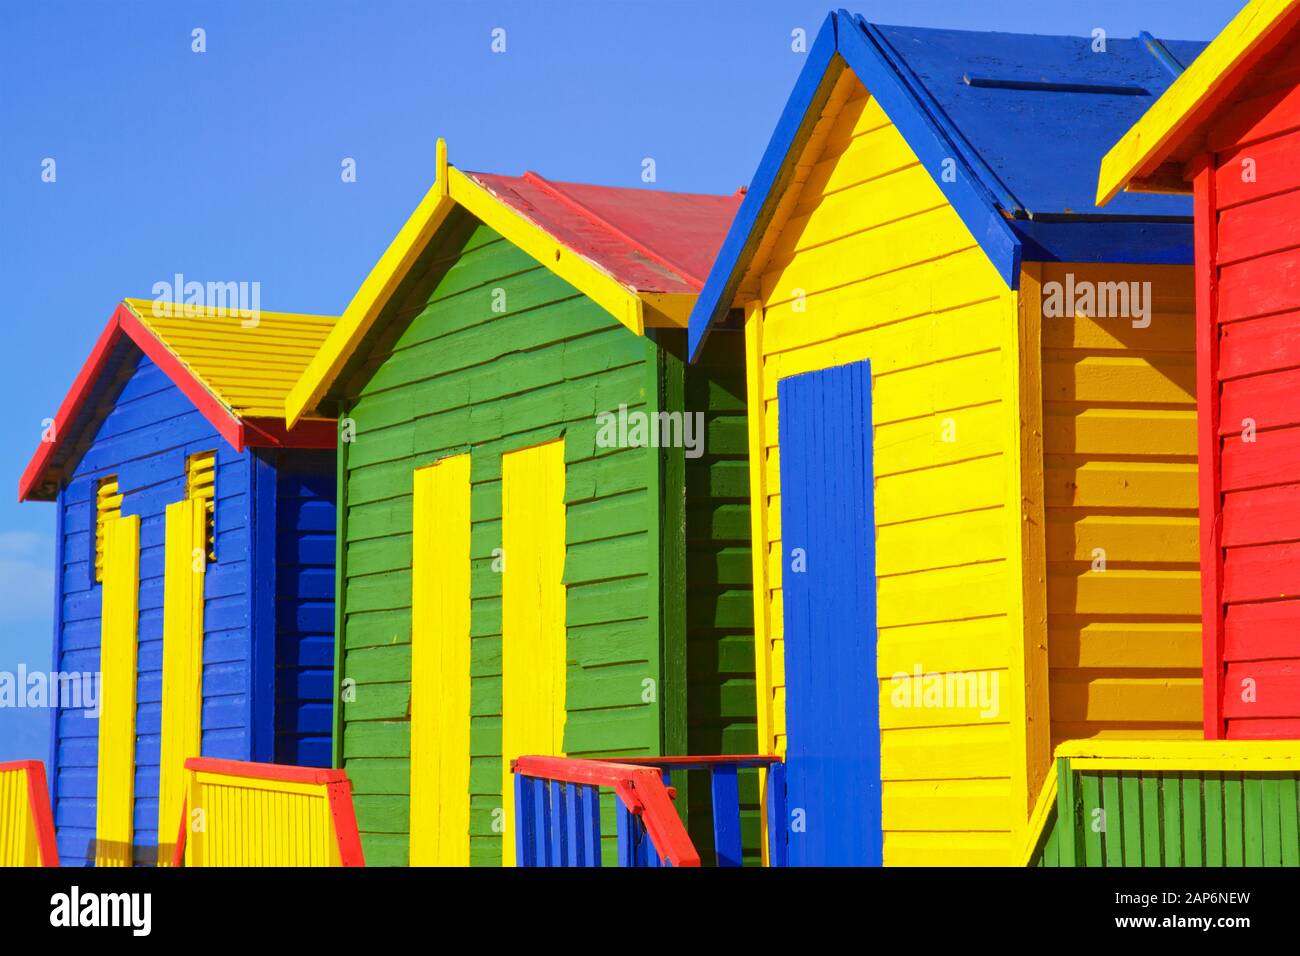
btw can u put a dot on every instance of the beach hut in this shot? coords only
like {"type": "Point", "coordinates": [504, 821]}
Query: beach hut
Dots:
{"type": "Point", "coordinates": [543, 516]}
{"type": "Point", "coordinates": [972, 433]}
{"type": "Point", "coordinates": [195, 568]}
{"type": "Point", "coordinates": [1228, 132]}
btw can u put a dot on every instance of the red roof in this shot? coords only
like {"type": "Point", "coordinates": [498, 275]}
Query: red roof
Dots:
{"type": "Point", "coordinates": [650, 241]}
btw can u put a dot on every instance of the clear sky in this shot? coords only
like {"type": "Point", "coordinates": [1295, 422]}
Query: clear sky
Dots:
{"type": "Point", "coordinates": [225, 165]}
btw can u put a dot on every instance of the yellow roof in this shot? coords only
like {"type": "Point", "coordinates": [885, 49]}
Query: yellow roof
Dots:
{"type": "Point", "coordinates": [1151, 155]}
{"type": "Point", "coordinates": [249, 366]}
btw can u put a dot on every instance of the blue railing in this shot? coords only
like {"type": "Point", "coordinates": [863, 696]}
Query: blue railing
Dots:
{"type": "Point", "coordinates": [557, 810]}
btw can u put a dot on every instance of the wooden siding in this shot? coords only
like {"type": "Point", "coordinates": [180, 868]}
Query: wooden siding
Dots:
{"type": "Point", "coordinates": [453, 376]}
{"type": "Point", "coordinates": [871, 262]}
{"type": "Point", "coordinates": [1252, 198]}
{"type": "Point", "coordinates": [305, 517]}
{"type": "Point", "coordinates": [145, 441]}
{"type": "Point", "coordinates": [719, 583]}
{"type": "Point", "coordinates": [1119, 466]}
{"type": "Point", "coordinates": [1250, 357]}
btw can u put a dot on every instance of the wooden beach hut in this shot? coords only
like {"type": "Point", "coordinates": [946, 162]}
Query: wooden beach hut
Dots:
{"type": "Point", "coordinates": [194, 570]}
{"type": "Point", "coordinates": [543, 515]}
{"type": "Point", "coordinates": [1228, 133]}
{"type": "Point", "coordinates": [972, 433]}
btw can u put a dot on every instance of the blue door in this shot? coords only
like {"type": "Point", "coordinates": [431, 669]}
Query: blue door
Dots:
{"type": "Point", "coordinates": [829, 582]}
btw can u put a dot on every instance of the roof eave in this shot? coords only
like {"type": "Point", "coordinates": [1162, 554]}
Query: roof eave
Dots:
{"type": "Point", "coordinates": [636, 309]}
{"type": "Point", "coordinates": [1139, 157]}
{"type": "Point", "coordinates": [36, 482]}
{"type": "Point", "coordinates": [844, 40]}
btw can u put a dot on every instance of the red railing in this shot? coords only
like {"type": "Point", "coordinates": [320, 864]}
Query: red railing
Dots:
{"type": "Point", "coordinates": [557, 809]}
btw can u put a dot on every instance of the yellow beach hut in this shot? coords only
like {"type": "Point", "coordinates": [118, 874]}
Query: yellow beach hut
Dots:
{"type": "Point", "coordinates": [972, 434]}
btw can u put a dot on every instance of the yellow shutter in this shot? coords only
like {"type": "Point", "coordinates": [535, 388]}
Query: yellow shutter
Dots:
{"type": "Point", "coordinates": [533, 635]}
{"type": "Point", "coordinates": [115, 792]}
{"type": "Point", "coordinates": [201, 485]}
{"type": "Point", "coordinates": [182, 675]}
{"type": "Point", "coordinates": [108, 505]}
{"type": "Point", "coordinates": [440, 665]}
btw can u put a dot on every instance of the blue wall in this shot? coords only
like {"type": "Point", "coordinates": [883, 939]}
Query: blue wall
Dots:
{"type": "Point", "coordinates": [145, 440]}
{"type": "Point", "coordinates": [305, 522]}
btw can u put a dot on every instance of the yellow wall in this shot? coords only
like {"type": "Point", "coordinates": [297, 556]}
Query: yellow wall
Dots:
{"type": "Point", "coordinates": [440, 665]}
{"type": "Point", "coordinates": [115, 790]}
{"type": "Point", "coordinates": [182, 674]}
{"type": "Point", "coordinates": [533, 638]}
{"type": "Point", "coordinates": [1119, 418]}
{"type": "Point", "coordinates": [868, 261]}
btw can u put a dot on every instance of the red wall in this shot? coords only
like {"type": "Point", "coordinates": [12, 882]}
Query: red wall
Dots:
{"type": "Point", "coordinates": [1248, 368]}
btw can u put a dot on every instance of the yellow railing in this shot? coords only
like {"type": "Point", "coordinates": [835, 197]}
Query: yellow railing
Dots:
{"type": "Point", "coordinates": [249, 814]}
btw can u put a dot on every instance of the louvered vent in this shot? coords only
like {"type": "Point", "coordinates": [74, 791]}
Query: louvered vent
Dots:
{"type": "Point", "coordinates": [201, 473]}
{"type": "Point", "coordinates": [108, 505]}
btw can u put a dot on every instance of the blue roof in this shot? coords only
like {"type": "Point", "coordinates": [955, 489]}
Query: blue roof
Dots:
{"type": "Point", "coordinates": [1039, 112]}
{"type": "Point", "coordinates": [1027, 118]}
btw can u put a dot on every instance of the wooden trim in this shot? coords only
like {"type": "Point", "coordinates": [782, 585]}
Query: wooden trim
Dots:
{"type": "Point", "coordinates": [1029, 668]}
{"type": "Point", "coordinates": [598, 285]}
{"type": "Point", "coordinates": [340, 595]}
{"type": "Point", "coordinates": [263, 570]}
{"type": "Point", "coordinates": [370, 300]}
{"type": "Point", "coordinates": [56, 659]}
{"type": "Point", "coordinates": [224, 420]}
{"type": "Point", "coordinates": [345, 824]}
{"type": "Point", "coordinates": [1209, 447]}
{"type": "Point", "coordinates": [1227, 756]}
{"type": "Point", "coordinates": [265, 771]}
{"type": "Point", "coordinates": [1039, 819]}
{"type": "Point", "coordinates": [758, 549]}
{"type": "Point", "coordinates": [72, 405]}
{"type": "Point", "coordinates": [666, 391]}
{"type": "Point", "coordinates": [1212, 77]}
{"type": "Point", "coordinates": [311, 434]}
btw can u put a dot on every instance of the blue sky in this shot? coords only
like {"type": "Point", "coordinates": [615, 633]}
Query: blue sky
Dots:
{"type": "Point", "coordinates": [225, 165]}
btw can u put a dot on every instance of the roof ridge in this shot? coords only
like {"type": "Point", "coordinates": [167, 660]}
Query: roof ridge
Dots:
{"type": "Point", "coordinates": [600, 221]}
{"type": "Point", "coordinates": [985, 177]}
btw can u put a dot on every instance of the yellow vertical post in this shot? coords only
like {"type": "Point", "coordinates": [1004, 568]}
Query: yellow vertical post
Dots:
{"type": "Point", "coordinates": [182, 678]}
{"type": "Point", "coordinates": [533, 635]}
{"type": "Point", "coordinates": [115, 792]}
{"type": "Point", "coordinates": [440, 665]}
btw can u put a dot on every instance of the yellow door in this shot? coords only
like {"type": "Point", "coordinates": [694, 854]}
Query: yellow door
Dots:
{"type": "Point", "coordinates": [182, 678]}
{"type": "Point", "coordinates": [440, 665]}
{"type": "Point", "coordinates": [532, 615]}
{"type": "Point", "coordinates": [115, 791]}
